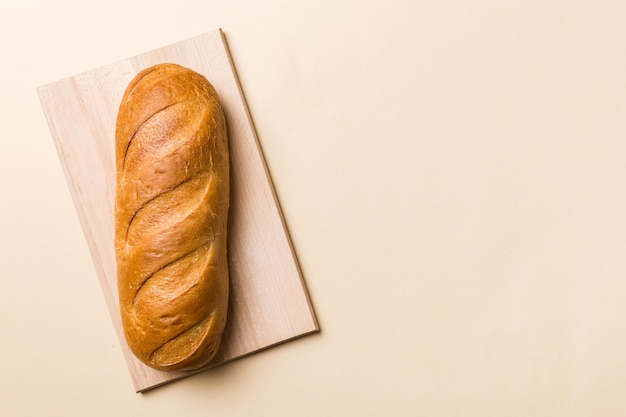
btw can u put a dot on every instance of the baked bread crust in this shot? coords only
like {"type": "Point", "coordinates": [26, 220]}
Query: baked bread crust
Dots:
{"type": "Point", "coordinates": [171, 214]}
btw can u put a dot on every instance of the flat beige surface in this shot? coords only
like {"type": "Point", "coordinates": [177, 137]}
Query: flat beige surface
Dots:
{"type": "Point", "coordinates": [268, 301]}
{"type": "Point", "coordinates": [451, 174]}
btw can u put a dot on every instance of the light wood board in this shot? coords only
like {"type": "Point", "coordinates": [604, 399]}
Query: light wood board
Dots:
{"type": "Point", "coordinates": [269, 303]}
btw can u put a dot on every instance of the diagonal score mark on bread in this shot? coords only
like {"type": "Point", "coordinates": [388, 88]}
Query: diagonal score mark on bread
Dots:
{"type": "Point", "coordinates": [187, 281]}
{"type": "Point", "coordinates": [147, 122]}
{"type": "Point", "coordinates": [153, 199]}
{"type": "Point", "coordinates": [186, 342]}
{"type": "Point", "coordinates": [171, 215]}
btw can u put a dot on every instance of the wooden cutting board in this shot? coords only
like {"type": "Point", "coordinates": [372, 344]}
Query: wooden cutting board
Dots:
{"type": "Point", "coordinates": [268, 302]}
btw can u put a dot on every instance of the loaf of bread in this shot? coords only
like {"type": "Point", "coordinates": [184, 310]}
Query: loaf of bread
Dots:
{"type": "Point", "coordinates": [171, 214]}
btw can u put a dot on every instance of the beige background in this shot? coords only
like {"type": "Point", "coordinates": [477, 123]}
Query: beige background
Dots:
{"type": "Point", "coordinates": [451, 173]}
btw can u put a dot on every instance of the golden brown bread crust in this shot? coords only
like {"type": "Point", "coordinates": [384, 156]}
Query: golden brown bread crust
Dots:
{"type": "Point", "coordinates": [171, 211]}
